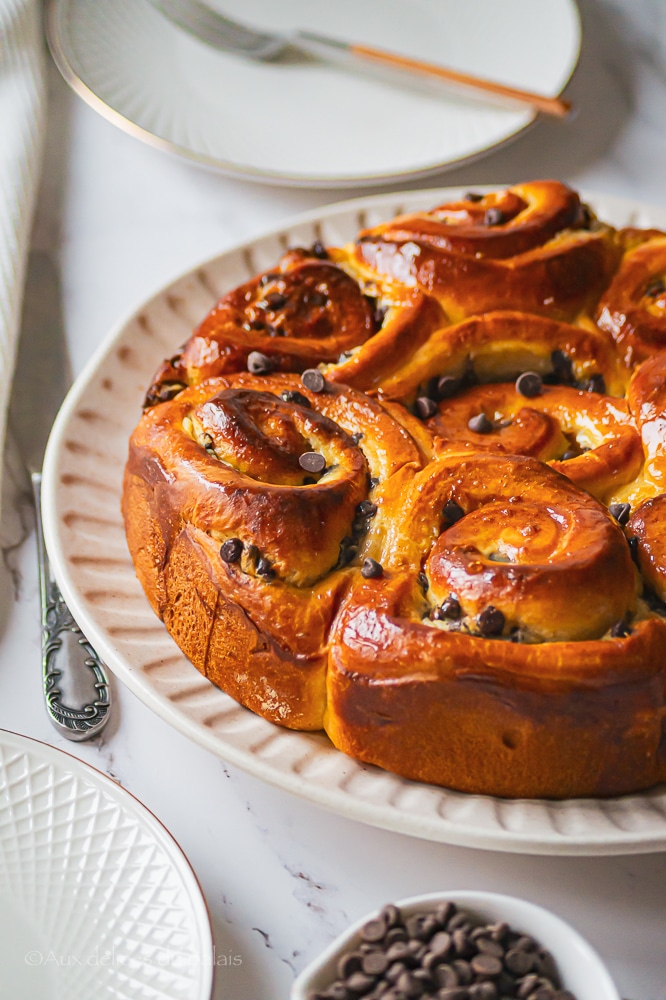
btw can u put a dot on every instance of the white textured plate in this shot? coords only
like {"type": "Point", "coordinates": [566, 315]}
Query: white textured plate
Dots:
{"type": "Point", "coordinates": [312, 123]}
{"type": "Point", "coordinates": [96, 898]}
{"type": "Point", "coordinates": [81, 491]}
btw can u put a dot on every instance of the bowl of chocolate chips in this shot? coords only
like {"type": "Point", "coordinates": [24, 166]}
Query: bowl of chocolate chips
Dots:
{"type": "Point", "coordinates": [458, 946]}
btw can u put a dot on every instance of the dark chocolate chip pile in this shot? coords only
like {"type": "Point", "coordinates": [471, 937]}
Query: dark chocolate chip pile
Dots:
{"type": "Point", "coordinates": [446, 954]}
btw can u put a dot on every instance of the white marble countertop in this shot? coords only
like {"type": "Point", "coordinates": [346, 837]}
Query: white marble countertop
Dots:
{"type": "Point", "coordinates": [282, 877]}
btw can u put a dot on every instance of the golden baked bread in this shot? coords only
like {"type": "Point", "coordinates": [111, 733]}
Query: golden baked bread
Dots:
{"type": "Point", "coordinates": [413, 491]}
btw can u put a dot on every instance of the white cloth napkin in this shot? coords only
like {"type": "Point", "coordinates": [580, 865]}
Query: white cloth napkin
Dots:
{"type": "Point", "coordinates": [22, 125]}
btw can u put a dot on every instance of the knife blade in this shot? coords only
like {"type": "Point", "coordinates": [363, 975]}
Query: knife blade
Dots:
{"type": "Point", "coordinates": [75, 683]}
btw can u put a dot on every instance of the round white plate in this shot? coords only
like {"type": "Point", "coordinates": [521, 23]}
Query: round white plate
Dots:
{"type": "Point", "coordinates": [312, 123]}
{"type": "Point", "coordinates": [85, 537]}
{"type": "Point", "coordinates": [96, 898]}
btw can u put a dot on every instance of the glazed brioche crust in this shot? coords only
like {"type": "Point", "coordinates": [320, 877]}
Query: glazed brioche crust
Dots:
{"type": "Point", "coordinates": [461, 583]}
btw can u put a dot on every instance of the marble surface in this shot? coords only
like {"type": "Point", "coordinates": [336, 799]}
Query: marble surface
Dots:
{"type": "Point", "coordinates": [281, 877]}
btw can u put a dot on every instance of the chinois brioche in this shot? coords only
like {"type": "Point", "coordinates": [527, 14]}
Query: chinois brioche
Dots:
{"type": "Point", "coordinates": [413, 491]}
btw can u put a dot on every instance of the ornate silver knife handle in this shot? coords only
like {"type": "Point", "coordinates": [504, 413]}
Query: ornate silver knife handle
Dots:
{"type": "Point", "coordinates": [68, 659]}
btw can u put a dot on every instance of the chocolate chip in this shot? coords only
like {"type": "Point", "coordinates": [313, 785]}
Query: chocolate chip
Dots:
{"type": "Point", "coordinates": [490, 621]}
{"type": "Point", "coordinates": [366, 508]}
{"type": "Point", "coordinates": [620, 511]}
{"type": "Point", "coordinates": [473, 196]}
{"type": "Point", "coordinates": [519, 962]}
{"type": "Point", "coordinates": [653, 602]}
{"type": "Point", "coordinates": [163, 392]}
{"type": "Point", "coordinates": [373, 931]}
{"type": "Point", "coordinates": [480, 424]}
{"type": "Point", "coordinates": [425, 407]}
{"type": "Point", "coordinates": [410, 986]}
{"type": "Point", "coordinates": [395, 934]}
{"type": "Point", "coordinates": [337, 991]}
{"type": "Point", "coordinates": [349, 963]}
{"type": "Point", "coordinates": [452, 512]}
{"type": "Point", "coordinates": [569, 453]}
{"type": "Point", "coordinates": [488, 946]}
{"type": "Point", "coordinates": [526, 943]}
{"type": "Point", "coordinates": [265, 569]}
{"type": "Point", "coordinates": [529, 384]}
{"type": "Point", "coordinates": [398, 951]}
{"type": "Point", "coordinates": [620, 630]}
{"type": "Point", "coordinates": [453, 993]}
{"type": "Point", "coordinates": [275, 300]}
{"type": "Point", "coordinates": [446, 976]}
{"type": "Point", "coordinates": [494, 217]}
{"type": "Point", "coordinates": [548, 966]}
{"type": "Point", "coordinates": [423, 582]}
{"type": "Point", "coordinates": [291, 396]}
{"type": "Point", "coordinates": [375, 963]}
{"type": "Point", "coordinates": [446, 910]}
{"type": "Point", "coordinates": [359, 983]}
{"type": "Point", "coordinates": [313, 380]}
{"type": "Point", "coordinates": [424, 976]}
{"type": "Point", "coordinates": [371, 569]}
{"type": "Point", "coordinates": [317, 299]}
{"type": "Point", "coordinates": [655, 288]}
{"type": "Point", "coordinates": [312, 461]}
{"type": "Point", "coordinates": [267, 278]}
{"type": "Point", "coordinates": [440, 943]}
{"type": "Point", "coordinates": [595, 383]}
{"type": "Point", "coordinates": [357, 438]}
{"type": "Point", "coordinates": [428, 927]}
{"type": "Point", "coordinates": [318, 250]}
{"type": "Point", "coordinates": [451, 609]}
{"type": "Point", "coordinates": [394, 971]}
{"type": "Point", "coordinates": [259, 364]}
{"type": "Point", "coordinates": [562, 366]}
{"type": "Point", "coordinates": [447, 386]}
{"type": "Point", "coordinates": [392, 916]}
{"type": "Point", "coordinates": [462, 943]}
{"type": "Point", "coordinates": [463, 971]}
{"type": "Point", "coordinates": [483, 991]}
{"type": "Point", "coordinates": [231, 550]}
{"type": "Point", "coordinates": [633, 547]}
{"type": "Point", "coordinates": [378, 316]}
{"type": "Point", "coordinates": [527, 986]}
{"type": "Point", "coordinates": [486, 965]}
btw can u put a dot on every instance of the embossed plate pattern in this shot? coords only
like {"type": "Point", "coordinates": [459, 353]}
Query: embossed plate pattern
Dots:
{"type": "Point", "coordinates": [84, 531]}
{"type": "Point", "coordinates": [96, 898]}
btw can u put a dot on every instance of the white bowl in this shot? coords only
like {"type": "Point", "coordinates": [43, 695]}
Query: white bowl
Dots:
{"type": "Point", "coordinates": [581, 970]}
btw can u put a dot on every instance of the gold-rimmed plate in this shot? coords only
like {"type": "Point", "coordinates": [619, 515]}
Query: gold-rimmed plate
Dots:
{"type": "Point", "coordinates": [310, 123]}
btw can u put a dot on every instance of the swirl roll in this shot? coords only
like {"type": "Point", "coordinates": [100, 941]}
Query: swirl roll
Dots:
{"type": "Point", "coordinates": [412, 491]}
{"type": "Point", "coordinates": [633, 307]}
{"type": "Point", "coordinates": [590, 438]}
{"type": "Point", "coordinates": [533, 247]}
{"type": "Point", "coordinates": [244, 504]}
